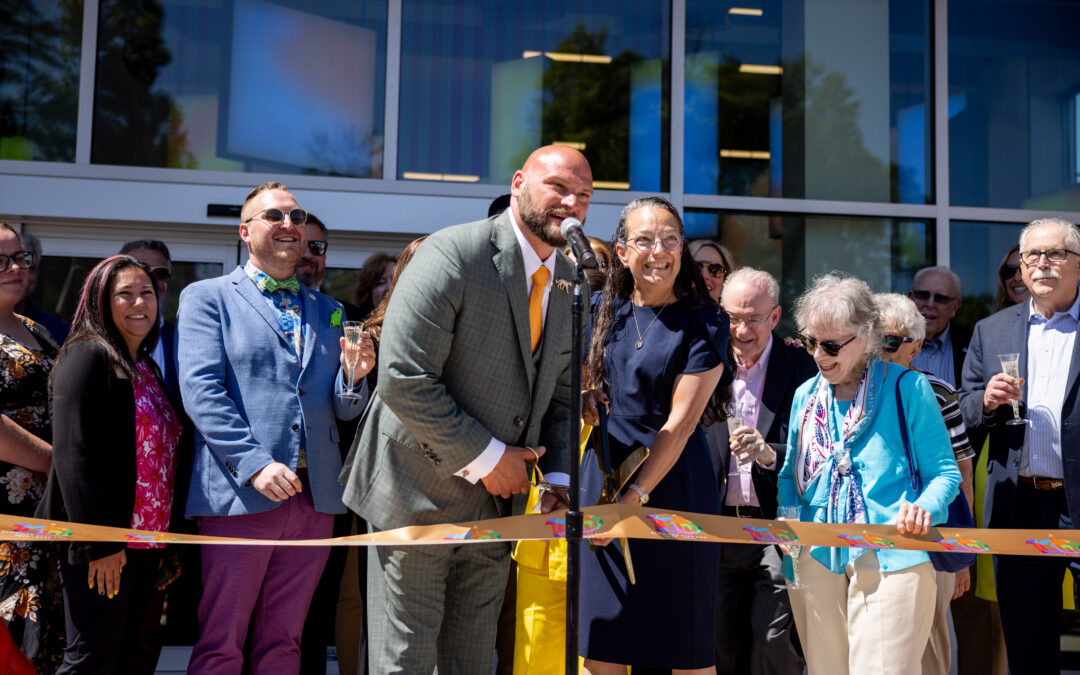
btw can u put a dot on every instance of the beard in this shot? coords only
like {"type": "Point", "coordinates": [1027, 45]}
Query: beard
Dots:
{"type": "Point", "coordinates": [536, 219]}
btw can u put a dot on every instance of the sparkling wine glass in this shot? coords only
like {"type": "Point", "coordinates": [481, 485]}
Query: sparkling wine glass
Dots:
{"type": "Point", "coordinates": [353, 332]}
{"type": "Point", "coordinates": [792, 513]}
{"type": "Point", "coordinates": [1010, 365]}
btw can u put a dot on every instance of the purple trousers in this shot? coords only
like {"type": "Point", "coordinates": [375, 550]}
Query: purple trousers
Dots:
{"type": "Point", "coordinates": [266, 588]}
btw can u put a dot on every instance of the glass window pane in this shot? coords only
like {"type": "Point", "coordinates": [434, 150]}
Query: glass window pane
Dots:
{"type": "Point", "coordinates": [242, 85]}
{"type": "Point", "coordinates": [40, 58]}
{"type": "Point", "coordinates": [1014, 77]}
{"type": "Point", "coordinates": [484, 83]}
{"type": "Point", "coordinates": [978, 250]}
{"type": "Point", "coordinates": [883, 252]}
{"type": "Point", "coordinates": [60, 280]}
{"type": "Point", "coordinates": [814, 99]}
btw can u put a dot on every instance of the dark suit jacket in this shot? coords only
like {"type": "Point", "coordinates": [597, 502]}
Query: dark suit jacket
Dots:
{"type": "Point", "coordinates": [961, 338]}
{"type": "Point", "coordinates": [92, 479]}
{"type": "Point", "coordinates": [789, 366]}
{"type": "Point", "coordinates": [1003, 333]}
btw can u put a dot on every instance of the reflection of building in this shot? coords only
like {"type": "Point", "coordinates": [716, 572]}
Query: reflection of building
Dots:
{"type": "Point", "coordinates": [872, 136]}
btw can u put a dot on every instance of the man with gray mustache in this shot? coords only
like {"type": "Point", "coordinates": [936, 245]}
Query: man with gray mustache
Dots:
{"type": "Point", "coordinates": [1032, 466]}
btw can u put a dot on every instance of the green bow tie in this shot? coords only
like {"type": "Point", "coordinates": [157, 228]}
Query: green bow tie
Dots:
{"type": "Point", "coordinates": [270, 284]}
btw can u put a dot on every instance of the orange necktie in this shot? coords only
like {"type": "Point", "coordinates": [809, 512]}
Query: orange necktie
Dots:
{"type": "Point", "coordinates": [536, 305]}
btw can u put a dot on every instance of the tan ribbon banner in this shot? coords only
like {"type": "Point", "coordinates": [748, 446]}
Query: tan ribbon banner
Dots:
{"type": "Point", "coordinates": [612, 520]}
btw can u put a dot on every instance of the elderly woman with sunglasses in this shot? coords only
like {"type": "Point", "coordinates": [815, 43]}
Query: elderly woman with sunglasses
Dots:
{"type": "Point", "coordinates": [905, 329]}
{"type": "Point", "coordinates": [862, 610]}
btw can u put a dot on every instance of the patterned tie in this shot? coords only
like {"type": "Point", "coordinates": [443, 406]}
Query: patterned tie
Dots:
{"type": "Point", "coordinates": [270, 284]}
{"type": "Point", "coordinates": [536, 305]}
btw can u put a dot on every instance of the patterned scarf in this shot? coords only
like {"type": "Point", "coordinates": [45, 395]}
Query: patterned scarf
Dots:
{"type": "Point", "coordinates": [816, 451]}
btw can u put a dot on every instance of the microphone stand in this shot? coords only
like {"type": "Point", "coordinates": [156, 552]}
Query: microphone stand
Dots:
{"type": "Point", "coordinates": [574, 518]}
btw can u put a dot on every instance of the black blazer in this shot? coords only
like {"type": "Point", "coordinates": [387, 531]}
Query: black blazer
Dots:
{"type": "Point", "coordinates": [789, 366]}
{"type": "Point", "coordinates": [960, 338]}
{"type": "Point", "coordinates": [92, 479]}
{"type": "Point", "coordinates": [1002, 333]}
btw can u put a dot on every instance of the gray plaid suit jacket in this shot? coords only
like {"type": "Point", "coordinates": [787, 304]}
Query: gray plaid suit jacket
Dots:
{"type": "Point", "coordinates": [456, 368]}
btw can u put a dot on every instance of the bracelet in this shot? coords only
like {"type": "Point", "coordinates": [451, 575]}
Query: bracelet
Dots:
{"type": "Point", "coordinates": [643, 496]}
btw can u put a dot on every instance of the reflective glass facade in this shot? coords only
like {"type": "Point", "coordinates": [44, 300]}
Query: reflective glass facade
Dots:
{"type": "Point", "coordinates": [484, 83]}
{"type": "Point", "coordinates": [1014, 98]}
{"type": "Point", "coordinates": [39, 79]}
{"type": "Point", "coordinates": [242, 85]}
{"type": "Point", "coordinates": [813, 99]}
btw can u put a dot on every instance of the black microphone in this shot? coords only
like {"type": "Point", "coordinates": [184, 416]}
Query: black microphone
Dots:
{"type": "Point", "coordinates": [573, 232]}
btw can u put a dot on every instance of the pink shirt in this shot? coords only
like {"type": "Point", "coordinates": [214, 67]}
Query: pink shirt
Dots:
{"type": "Point", "coordinates": [157, 435]}
{"type": "Point", "coordinates": [746, 395]}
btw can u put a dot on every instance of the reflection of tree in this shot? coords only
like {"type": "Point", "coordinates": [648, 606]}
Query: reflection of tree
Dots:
{"type": "Point", "coordinates": [39, 80]}
{"type": "Point", "coordinates": [590, 103]}
{"type": "Point", "coordinates": [351, 152]}
{"type": "Point", "coordinates": [132, 123]}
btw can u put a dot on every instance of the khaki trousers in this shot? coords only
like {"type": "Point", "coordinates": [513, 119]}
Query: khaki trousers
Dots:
{"type": "Point", "coordinates": [863, 621]}
{"type": "Point", "coordinates": [937, 657]}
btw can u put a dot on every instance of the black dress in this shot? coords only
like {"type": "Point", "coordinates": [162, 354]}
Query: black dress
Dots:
{"type": "Point", "coordinates": [31, 603]}
{"type": "Point", "coordinates": [666, 619]}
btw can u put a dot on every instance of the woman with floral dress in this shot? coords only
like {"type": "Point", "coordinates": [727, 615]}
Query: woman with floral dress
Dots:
{"type": "Point", "coordinates": [30, 603]}
{"type": "Point", "coordinates": [115, 438]}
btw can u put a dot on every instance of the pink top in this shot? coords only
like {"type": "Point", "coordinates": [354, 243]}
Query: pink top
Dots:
{"type": "Point", "coordinates": [157, 435]}
{"type": "Point", "coordinates": [746, 394]}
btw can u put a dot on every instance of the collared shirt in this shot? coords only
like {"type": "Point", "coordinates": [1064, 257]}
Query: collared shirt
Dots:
{"type": "Point", "coordinates": [1049, 355]}
{"type": "Point", "coordinates": [287, 308]}
{"type": "Point", "coordinates": [485, 462]}
{"type": "Point", "coordinates": [936, 357]}
{"type": "Point", "coordinates": [746, 392]}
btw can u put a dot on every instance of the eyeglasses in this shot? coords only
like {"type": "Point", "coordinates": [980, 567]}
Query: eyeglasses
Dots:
{"type": "Point", "coordinates": [925, 296]}
{"type": "Point", "coordinates": [714, 270]}
{"type": "Point", "coordinates": [646, 242]}
{"type": "Point", "coordinates": [892, 342]}
{"type": "Point", "coordinates": [1054, 255]}
{"type": "Point", "coordinates": [748, 321]}
{"type": "Point", "coordinates": [1007, 271]}
{"type": "Point", "coordinates": [317, 247]}
{"type": "Point", "coordinates": [276, 216]}
{"type": "Point", "coordinates": [829, 347]}
{"type": "Point", "coordinates": [161, 273]}
{"type": "Point", "coordinates": [21, 260]}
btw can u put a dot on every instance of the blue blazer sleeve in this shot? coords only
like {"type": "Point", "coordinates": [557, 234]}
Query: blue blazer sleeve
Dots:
{"type": "Point", "coordinates": [203, 366]}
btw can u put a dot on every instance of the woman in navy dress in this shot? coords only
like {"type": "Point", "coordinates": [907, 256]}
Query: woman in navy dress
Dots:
{"type": "Point", "coordinates": [658, 349]}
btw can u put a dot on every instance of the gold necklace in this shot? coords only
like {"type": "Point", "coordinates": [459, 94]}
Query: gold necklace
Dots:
{"type": "Point", "coordinates": [637, 326]}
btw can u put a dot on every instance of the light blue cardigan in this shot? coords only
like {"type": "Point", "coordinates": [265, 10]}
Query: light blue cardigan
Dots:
{"type": "Point", "coordinates": [878, 458]}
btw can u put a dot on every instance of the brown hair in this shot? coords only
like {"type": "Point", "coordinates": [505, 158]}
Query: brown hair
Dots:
{"type": "Point", "coordinates": [373, 323]}
{"type": "Point", "coordinates": [369, 277]}
{"type": "Point", "coordinates": [265, 187]}
{"type": "Point", "coordinates": [1002, 301]}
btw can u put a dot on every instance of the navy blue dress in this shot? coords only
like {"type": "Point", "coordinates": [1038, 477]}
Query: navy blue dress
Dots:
{"type": "Point", "coordinates": [666, 619]}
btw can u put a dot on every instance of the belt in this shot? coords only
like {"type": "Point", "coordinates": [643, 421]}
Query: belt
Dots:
{"type": "Point", "coordinates": [1041, 483]}
{"type": "Point", "coordinates": [742, 511]}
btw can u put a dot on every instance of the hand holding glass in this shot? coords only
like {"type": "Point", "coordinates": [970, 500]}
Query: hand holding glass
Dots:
{"type": "Point", "coordinates": [794, 550]}
{"type": "Point", "coordinates": [1010, 365]}
{"type": "Point", "coordinates": [354, 332]}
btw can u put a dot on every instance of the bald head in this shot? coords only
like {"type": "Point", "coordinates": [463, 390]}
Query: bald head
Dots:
{"type": "Point", "coordinates": [555, 183]}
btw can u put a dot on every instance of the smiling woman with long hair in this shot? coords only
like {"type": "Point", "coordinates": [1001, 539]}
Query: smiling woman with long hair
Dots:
{"type": "Point", "coordinates": [114, 460]}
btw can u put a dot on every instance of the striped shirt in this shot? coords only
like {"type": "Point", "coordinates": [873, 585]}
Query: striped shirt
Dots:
{"type": "Point", "coordinates": [1049, 355]}
{"type": "Point", "coordinates": [954, 421]}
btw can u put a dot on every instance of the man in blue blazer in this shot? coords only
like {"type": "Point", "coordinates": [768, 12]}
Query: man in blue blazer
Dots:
{"type": "Point", "coordinates": [259, 361]}
{"type": "Point", "coordinates": [1034, 469]}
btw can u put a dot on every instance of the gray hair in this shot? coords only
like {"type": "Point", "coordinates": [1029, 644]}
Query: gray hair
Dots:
{"type": "Point", "coordinates": [754, 277]}
{"type": "Point", "coordinates": [899, 311]}
{"type": "Point", "coordinates": [1072, 234]}
{"type": "Point", "coordinates": [957, 284]}
{"type": "Point", "coordinates": [837, 301]}
{"type": "Point", "coordinates": [31, 243]}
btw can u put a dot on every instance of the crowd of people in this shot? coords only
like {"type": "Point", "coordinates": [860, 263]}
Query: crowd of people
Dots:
{"type": "Point", "coordinates": [265, 412]}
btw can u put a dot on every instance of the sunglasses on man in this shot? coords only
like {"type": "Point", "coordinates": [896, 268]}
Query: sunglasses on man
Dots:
{"type": "Point", "coordinates": [892, 342]}
{"type": "Point", "coordinates": [926, 296]}
{"type": "Point", "coordinates": [161, 273]}
{"type": "Point", "coordinates": [828, 346]}
{"type": "Point", "coordinates": [317, 247]}
{"type": "Point", "coordinates": [276, 216]}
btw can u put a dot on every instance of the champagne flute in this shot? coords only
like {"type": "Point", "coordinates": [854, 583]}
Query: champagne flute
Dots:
{"type": "Point", "coordinates": [792, 513]}
{"type": "Point", "coordinates": [734, 421]}
{"type": "Point", "coordinates": [354, 330]}
{"type": "Point", "coordinates": [1010, 365]}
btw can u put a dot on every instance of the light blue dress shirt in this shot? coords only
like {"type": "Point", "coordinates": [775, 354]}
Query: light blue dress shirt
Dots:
{"type": "Point", "coordinates": [936, 358]}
